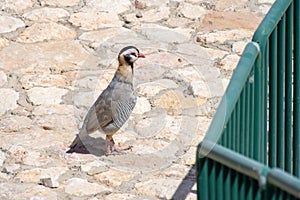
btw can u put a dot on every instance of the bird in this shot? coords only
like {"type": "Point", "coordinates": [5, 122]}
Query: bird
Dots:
{"type": "Point", "coordinates": [114, 105]}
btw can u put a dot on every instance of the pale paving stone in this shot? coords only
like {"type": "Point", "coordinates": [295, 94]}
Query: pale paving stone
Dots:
{"type": "Point", "coordinates": [48, 95]}
{"type": "Point", "coordinates": [164, 34]}
{"type": "Point", "coordinates": [40, 32]}
{"type": "Point", "coordinates": [56, 122]}
{"type": "Point", "coordinates": [230, 62]}
{"type": "Point", "coordinates": [192, 11]}
{"type": "Point", "coordinates": [15, 123]}
{"type": "Point", "coordinates": [93, 19]}
{"type": "Point", "coordinates": [224, 5]}
{"type": "Point", "coordinates": [16, 6]}
{"type": "Point", "coordinates": [81, 187]}
{"type": "Point", "coordinates": [9, 24]}
{"type": "Point", "coordinates": [41, 57]}
{"type": "Point", "coordinates": [34, 175]}
{"type": "Point", "coordinates": [142, 106]}
{"type": "Point", "coordinates": [3, 42]}
{"type": "Point", "coordinates": [50, 109]}
{"type": "Point", "coordinates": [168, 100]}
{"type": "Point", "coordinates": [46, 14]}
{"type": "Point", "coordinates": [29, 81]}
{"type": "Point", "coordinates": [114, 178]}
{"type": "Point", "coordinates": [238, 47]}
{"type": "Point", "coordinates": [94, 167]}
{"type": "Point", "coordinates": [222, 36]}
{"type": "Point", "coordinates": [26, 191]}
{"type": "Point", "coordinates": [59, 3]}
{"type": "Point", "coordinates": [103, 35]}
{"type": "Point", "coordinates": [117, 6]}
{"type": "Point", "coordinates": [151, 89]}
{"type": "Point", "coordinates": [8, 100]}
{"type": "Point", "coordinates": [3, 78]}
{"type": "Point", "coordinates": [167, 59]}
{"type": "Point", "coordinates": [123, 196]}
{"type": "Point", "coordinates": [162, 188]}
{"type": "Point", "coordinates": [2, 158]}
{"type": "Point", "coordinates": [228, 20]}
{"type": "Point", "coordinates": [200, 88]}
{"type": "Point", "coordinates": [155, 15]}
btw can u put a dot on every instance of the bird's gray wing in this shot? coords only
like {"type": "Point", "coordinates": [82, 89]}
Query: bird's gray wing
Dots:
{"type": "Point", "coordinates": [100, 114]}
{"type": "Point", "coordinates": [123, 102]}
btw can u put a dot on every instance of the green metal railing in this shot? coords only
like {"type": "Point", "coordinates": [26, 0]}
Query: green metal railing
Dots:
{"type": "Point", "coordinates": [257, 124]}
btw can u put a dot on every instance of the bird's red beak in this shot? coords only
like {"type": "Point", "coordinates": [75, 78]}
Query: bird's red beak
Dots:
{"type": "Point", "coordinates": [141, 55]}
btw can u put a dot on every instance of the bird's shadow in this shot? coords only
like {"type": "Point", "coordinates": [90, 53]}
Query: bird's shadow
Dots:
{"type": "Point", "coordinates": [90, 145]}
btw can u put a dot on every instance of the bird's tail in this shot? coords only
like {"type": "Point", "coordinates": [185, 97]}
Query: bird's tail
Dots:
{"type": "Point", "coordinates": [79, 137]}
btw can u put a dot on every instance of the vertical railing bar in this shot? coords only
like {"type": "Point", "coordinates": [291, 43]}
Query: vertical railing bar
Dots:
{"type": "Point", "coordinates": [247, 121]}
{"type": "Point", "coordinates": [273, 99]}
{"type": "Point", "coordinates": [242, 118]}
{"type": "Point", "coordinates": [220, 181]}
{"type": "Point", "coordinates": [296, 117]}
{"type": "Point", "coordinates": [203, 175]}
{"type": "Point", "coordinates": [252, 114]}
{"type": "Point", "coordinates": [280, 93]}
{"type": "Point", "coordinates": [288, 89]}
{"type": "Point", "coordinates": [257, 108]}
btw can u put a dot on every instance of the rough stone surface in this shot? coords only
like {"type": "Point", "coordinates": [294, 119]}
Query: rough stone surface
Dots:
{"type": "Point", "coordinates": [92, 20]}
{"type": "Point", "coordinates": [51, 95]}
{"type": "Point", "coordinates": [46, 14]}
{"type": "Point", "coordinates": [8, 24]}
{"type": "Point", "coordinates": [57, 56]}
{"type": "Point", "coordinates": [8, 100]}
{"type": "Point", "coordinates": [192, 11]}
{"type": "Point", "coordinates": [81, 187]}
{"type": "Point", "coordinates": [39, 32]}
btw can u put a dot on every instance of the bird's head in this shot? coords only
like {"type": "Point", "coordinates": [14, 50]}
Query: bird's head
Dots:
{"type": "Point", "coordinates": [129, 55]}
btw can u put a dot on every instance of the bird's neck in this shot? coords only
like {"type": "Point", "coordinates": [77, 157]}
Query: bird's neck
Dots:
{"type": "Point", "coordinates": [124, 73]}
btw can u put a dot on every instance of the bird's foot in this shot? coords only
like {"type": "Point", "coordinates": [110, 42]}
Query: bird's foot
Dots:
{"type": "Point", "coordinates": [113, 149]}
{"type": "Point", "coordinates": [117, 150]}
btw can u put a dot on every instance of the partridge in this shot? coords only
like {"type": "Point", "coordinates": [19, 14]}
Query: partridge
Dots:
{"type": "Point", "coordinates": [114, 105]}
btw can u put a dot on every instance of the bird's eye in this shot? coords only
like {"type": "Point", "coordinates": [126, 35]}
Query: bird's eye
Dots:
{"type": "Point", "coordinates": [134, 54]}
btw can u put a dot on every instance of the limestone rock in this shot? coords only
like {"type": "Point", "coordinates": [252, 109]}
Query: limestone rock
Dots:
{"type": "Point", "coordinates": [142, 106]}
{"type": "Point", "coordinates": [26, 191]}
{"type": "Point", "coordinates": [192, 11]}
{"type": "Point", "coordinates": [81, 187]}
{"type": "Point", "coordinates": [8, 24]}
{"type": "Point", "coordinates": [46, 14]}
{"type": "Point", "coordinates": [103, 35]}
{"type": "Point", "coordinates": [48, 95]}
{"type": "Point", "coordinates": [117, 6]}
{"type": "Point", "coordinates": [8, 100]}
{"type": "Point", "coordinates": [17, 6]}
{"type": "Point", "coordinates": [38, 174]}
{"type": "Point", "coordinates": [238, 47]}
{"type": "Point", "coordinates": [15, 123]}
{"type": "Point", "coordinates": [158, 187]}
{"type": "Point", "coordinates": [230, 62]}
{"type": "Point", "coordinates": [3, 78]}
{"type": "Point", "coordinates": [58, 3]}
{"type": "Point", "coordinates": [230, 20]}
{"type": "Point", "coordinates": [222, 36]}
{"type": "Point", "coordinates": [43, 57]}
{"type": "Point", "coordinates": [50, 109]}
{"type": "Point", "coordinates": [123, 196]}
{"type": "Point", "coordinates": [40, 32]}
{"type": "Point", "coordinates": [164, 34]}
{"type": "Point", "coordinates": [113, 177]}
{"type": "Point", "coordinates": [154, 15]}
{"type": "Point", "coordinates": [94, 167]}
{"type": "Point", "coordinates": [93, 19]}
{"type": "Point", "coordinates": [3, 43]}
{"type": "Point", "coordinates": [29, 81]}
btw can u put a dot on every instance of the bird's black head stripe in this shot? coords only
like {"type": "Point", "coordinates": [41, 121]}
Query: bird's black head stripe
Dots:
{"type": "Point", "coordinates": [126, 48]}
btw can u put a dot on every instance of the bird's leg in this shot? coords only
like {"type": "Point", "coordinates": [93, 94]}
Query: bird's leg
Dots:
{"type": "Point", "coordinates": [112, 148]}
